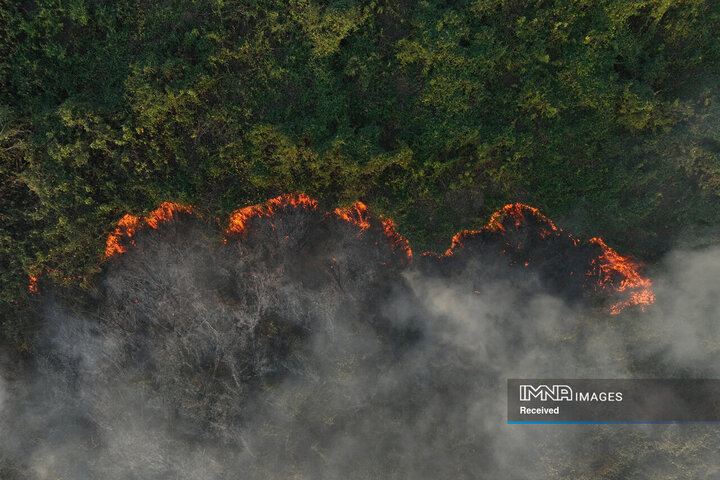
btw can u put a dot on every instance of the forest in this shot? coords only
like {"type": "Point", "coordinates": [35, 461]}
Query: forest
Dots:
{"type": "Point", "coordinates": [603, 114]}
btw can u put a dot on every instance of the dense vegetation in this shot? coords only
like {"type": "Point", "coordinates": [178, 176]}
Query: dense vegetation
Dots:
{"type": "Point", "coordinates": [603, 113]}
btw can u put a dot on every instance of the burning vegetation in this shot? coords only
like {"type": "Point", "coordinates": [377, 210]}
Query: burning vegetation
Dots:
{"type": "Point", "coordinates": [359, 216]}
{"type": "Point", "coordinates": [518, 233]}
{"type": "Point", "coordinates": [241, 219]}
{"type": "Point", "coordinates": [614, 272]}
{"type": "Point", "coordinates": [32, 284]}
{"type": "Point", "coordinates": [304, 329]}
{"type": "Point", "coordinates": [118, 240]}
{"type": "Point", "coordinates": [121, 238]}
{"type": "Point", "coordinates": [397, 241]}
{"type": "Point", "coordinates": [165, 213]}
{"type": "Point", "coordinates": [528, 238]}
{"type": "Point", "coordinates": [356, 214]}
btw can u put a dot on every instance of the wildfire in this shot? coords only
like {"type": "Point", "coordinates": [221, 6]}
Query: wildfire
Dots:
{"type": "Point", "coordinates": [610, 272]}
{"type": "Point", "coordinates": [34, 277]}
{"type": "Point", "coordinates": [517, 212]}
{"type": "Point", "coordinates": [240, 219]}
{"type": "Point", "coordinates": [620, 274]}
{"type": "Point", "coordinates": [397, 241]}
{"type": "Point", "coordinates": [119, 239]}
{"type": "Point", "coordinates": [519, 215]}
{"type": "Point", "coordinates": [164, 213]}
{"type": "Point", "coordinates": [518, 228]}
{"type": "Point", "coordinates": [125, 229]}
{"type": "Point", "coordinates": [511, 216]}
{"type": "Point", "coordinates": [33, 284]}
{"type": "Point", "coordinates": [357, 214]}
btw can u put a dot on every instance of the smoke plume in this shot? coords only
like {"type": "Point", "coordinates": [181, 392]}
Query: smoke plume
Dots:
{"type": "Point", "coordinates": [311, 345]}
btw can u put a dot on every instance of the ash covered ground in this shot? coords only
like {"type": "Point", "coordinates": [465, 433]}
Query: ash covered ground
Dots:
{"type": "Point", "coordinates": [310, 345]}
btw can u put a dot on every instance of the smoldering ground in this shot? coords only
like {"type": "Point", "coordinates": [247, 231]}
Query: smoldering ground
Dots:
{"type": "Point", "coordinates": [306, 347]}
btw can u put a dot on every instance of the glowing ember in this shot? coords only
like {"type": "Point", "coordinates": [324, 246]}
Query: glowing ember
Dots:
{"type": "Point", "coordinates": [34, 277]}
{"type": "Point", "coordinates": [240, 219]}
{"type": "Point", "coordinates": [33, 285]}
{"type": "Point", "coordinates": [620, 274]}
{"type": "Point", "coordinates": [357, 214]}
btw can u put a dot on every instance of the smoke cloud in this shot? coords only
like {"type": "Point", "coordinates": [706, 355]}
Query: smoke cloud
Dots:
{"type": "Point", "coordinates": [306, 347]}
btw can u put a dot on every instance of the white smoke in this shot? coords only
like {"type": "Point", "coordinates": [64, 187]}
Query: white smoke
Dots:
{"type": "Point", "coordinates": [197, 361]}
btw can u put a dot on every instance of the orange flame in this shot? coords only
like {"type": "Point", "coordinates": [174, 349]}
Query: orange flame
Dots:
{"type": "Point", "coordinates": [34, 277]}
{"type": "Point", "coordinates": [397, 241]}
{"type": "Point", "coordinates": [240, 219]}
{"type": "Point", "coordinates": [357, 214]}
{"type": "Point", "coordinates": [615, 272]}
{"type": "Point", "coordinates": [128, 225]}
{"type": "Point", "coordinates": [611, 266]}
{"type": "Point", "coordinates": [517, 213]}
{"type": "Point", "coordinates": [165, 213]}
{"type": "Point", "coordinates": [33, 285]}
{"type": "Point", "coordinates": [125, 229]}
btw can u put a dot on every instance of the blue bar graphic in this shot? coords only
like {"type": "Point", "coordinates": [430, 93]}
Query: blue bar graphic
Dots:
{"type": "Point", "coordinates": [575, 422]}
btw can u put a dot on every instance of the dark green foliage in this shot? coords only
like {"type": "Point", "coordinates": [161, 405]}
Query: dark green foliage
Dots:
{"type": "Point", "coordinates": [603, 114]}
